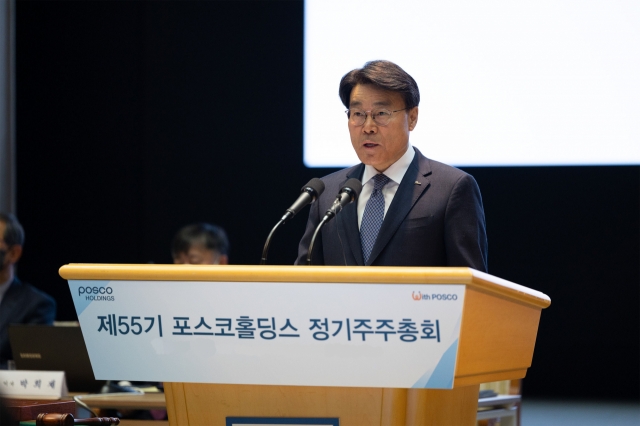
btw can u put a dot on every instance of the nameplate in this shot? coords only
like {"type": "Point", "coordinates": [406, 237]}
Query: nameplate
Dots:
{"type": "Point", "coordinates": [305, 334]}
{"type": "Point", "coordinates": [33, 384]}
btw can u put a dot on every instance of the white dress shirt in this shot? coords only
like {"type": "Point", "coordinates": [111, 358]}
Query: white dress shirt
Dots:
{"type": "Point", "coordinates": [395, 172]}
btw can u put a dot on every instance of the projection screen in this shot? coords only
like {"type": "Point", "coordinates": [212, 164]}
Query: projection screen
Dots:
{"type": "Point", "coordinates": [502, 83]}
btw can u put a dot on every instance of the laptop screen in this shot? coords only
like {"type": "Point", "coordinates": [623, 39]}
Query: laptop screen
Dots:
{"type": "Point", "coordinates": [51, 348]}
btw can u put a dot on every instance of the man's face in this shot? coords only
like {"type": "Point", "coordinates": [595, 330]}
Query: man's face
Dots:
{"type": "Point", "coordinates": [375, 145]}
{"type": "Point", "coordinates": [200, 255]}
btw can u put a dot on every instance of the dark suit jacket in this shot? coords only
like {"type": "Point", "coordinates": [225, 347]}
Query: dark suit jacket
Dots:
{"type": "Point", "coordinates": [436, 219]}
{"type": "Point", "coordinates": [23, 304]}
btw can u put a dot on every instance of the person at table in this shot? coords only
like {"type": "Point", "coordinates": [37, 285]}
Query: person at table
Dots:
{"type": "Point", "coordinates": [20, 302]}
{"type": "Point", "coordinates": [412, 211]}
{"type": "Point", "coordinates": [200, 244]}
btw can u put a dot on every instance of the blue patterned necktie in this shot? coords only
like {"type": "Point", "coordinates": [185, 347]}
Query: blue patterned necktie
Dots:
{"type": "Point", "coordinates": [373, 216]}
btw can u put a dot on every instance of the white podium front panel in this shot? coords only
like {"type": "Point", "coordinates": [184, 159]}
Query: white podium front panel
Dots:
{"type": "Point", "coordinates": [311, 334]}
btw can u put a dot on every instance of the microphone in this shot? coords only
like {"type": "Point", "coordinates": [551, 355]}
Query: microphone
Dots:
{"type": "Point", "coordinates": [348, 194]}
{"type": "Point", "coordinates": [308, 194]}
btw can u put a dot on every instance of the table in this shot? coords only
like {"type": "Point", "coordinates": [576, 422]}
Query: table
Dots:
{"type": "Point", "coordinates": [124, 401]}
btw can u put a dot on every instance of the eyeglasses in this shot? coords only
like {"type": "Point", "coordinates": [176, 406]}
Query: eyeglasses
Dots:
{"type": "Point", "coordinates": [381, 117]}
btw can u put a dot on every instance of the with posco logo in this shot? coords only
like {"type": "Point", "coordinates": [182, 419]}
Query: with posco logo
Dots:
{"type": "Point", "coordinates": [97, 293]}
{"type": "Point", "coordinates": [419, 296]}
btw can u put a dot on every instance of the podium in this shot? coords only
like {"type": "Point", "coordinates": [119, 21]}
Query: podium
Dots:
{"type": "Point", "coordinates": [497, 333]}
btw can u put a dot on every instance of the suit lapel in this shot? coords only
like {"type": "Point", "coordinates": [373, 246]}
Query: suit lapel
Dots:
{"type": "Point", "coordinates": [8, 304]}
{"type": "Point", "coordinates": [348, 221]}
{"type": "Point", "coordinates": [414, 183]}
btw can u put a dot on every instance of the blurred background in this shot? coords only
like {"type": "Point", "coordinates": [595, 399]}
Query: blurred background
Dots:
{"type": "Point", "coordinates": [136, 118]}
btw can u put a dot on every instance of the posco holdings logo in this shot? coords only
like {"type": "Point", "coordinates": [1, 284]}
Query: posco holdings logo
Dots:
{"type": "Point", "coordinates": [96, 293]}
{"type": "Point", "coordinates": [417, 295]}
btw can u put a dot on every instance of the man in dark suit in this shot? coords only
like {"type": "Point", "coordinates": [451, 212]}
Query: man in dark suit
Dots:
{"type": "Point", "coordinates": [412, 211]}
{"type": "Point", "coordinates": [20, 303]}
{"type": "Point", "coordinates": [200, 244]}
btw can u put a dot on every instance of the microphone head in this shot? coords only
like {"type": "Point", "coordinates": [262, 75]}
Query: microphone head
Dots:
{"type": "Point", "coordinates": [315, 187]}
{"type": "Point", "coordinates": [354, 187]}
{"type": "Point", "coordinates": [348, 194]}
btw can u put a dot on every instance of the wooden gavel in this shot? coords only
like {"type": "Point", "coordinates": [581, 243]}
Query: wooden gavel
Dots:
{"type": "Point", "coordinates": [66, 419]}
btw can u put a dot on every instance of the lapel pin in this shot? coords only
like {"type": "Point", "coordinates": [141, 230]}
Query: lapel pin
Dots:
{"type": "Point", "coordinates": [418, 183]}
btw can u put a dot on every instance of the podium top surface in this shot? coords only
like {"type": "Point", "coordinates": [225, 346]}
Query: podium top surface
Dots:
{"type": "Point", "coordinates": [307, 274]}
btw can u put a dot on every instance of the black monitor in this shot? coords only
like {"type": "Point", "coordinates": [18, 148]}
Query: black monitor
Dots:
{"type": "Point", "coordinates": [52, 348]}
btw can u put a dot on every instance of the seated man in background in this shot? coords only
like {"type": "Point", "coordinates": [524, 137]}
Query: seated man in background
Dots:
{"type": "Point", "coordinates": [20, 303]}
{"type": "Point", "coordinates": [200, 244]}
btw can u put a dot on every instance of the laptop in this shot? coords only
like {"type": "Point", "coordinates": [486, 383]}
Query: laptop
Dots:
{"type": "Point", "coordinates": [51, 348]}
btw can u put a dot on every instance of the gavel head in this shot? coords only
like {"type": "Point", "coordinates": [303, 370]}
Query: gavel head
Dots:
{"type": "Point", "coordinates": [54, 419]}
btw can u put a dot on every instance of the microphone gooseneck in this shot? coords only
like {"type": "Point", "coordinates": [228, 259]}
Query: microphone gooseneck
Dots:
{"type": "Point", "coordinates": [267, 243]}
{"type": "Point", "coordinates": [348, 194]}
{"type": "Point", "coordinates": [308, 194]}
